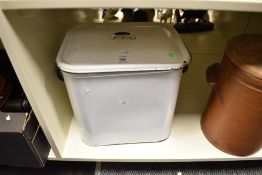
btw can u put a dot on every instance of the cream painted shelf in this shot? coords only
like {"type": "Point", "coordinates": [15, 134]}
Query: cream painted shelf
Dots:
{"type": "Point", "coordinates": [32, 39]}
{"type": "Point", "coordinates": [186, 143]}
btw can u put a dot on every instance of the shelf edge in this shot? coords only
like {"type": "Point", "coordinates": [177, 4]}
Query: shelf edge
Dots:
{"type": "Point", "coordinates": [233, 5]}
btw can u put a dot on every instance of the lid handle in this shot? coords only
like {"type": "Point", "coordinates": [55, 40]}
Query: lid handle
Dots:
{"type": "Point", "coordinates": [123, 35]}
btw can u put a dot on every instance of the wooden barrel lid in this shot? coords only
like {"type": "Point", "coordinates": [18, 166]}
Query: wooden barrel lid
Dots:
{"type": "Point", "coordinates": [245, 51]}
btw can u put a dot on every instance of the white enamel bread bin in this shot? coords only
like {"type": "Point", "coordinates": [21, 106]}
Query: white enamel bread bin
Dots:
{"type": "Point", "coordinates": [123, 80]}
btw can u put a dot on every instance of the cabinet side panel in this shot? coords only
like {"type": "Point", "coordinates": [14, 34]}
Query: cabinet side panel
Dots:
{"type": "Point", "coordinates": [32, 50]}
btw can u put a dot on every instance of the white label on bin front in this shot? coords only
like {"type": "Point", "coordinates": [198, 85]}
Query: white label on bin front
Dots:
{"type": "Point", "coordinates": [124, 101]}
{"type": "Point", "coordinates": [85, 90]}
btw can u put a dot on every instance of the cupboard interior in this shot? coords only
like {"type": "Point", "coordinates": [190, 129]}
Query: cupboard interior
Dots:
{"type": "Point", "coordinates": [36, 35]}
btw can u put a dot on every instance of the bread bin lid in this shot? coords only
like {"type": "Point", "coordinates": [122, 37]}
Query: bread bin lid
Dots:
{"type": "Point", "coordinates": [245, 51]}
{"type": "Point", "coordinates": [114, 47]}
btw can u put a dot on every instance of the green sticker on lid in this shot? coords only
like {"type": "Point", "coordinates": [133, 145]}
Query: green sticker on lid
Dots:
{"type": "Point", "coordinates": [171, 54]}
